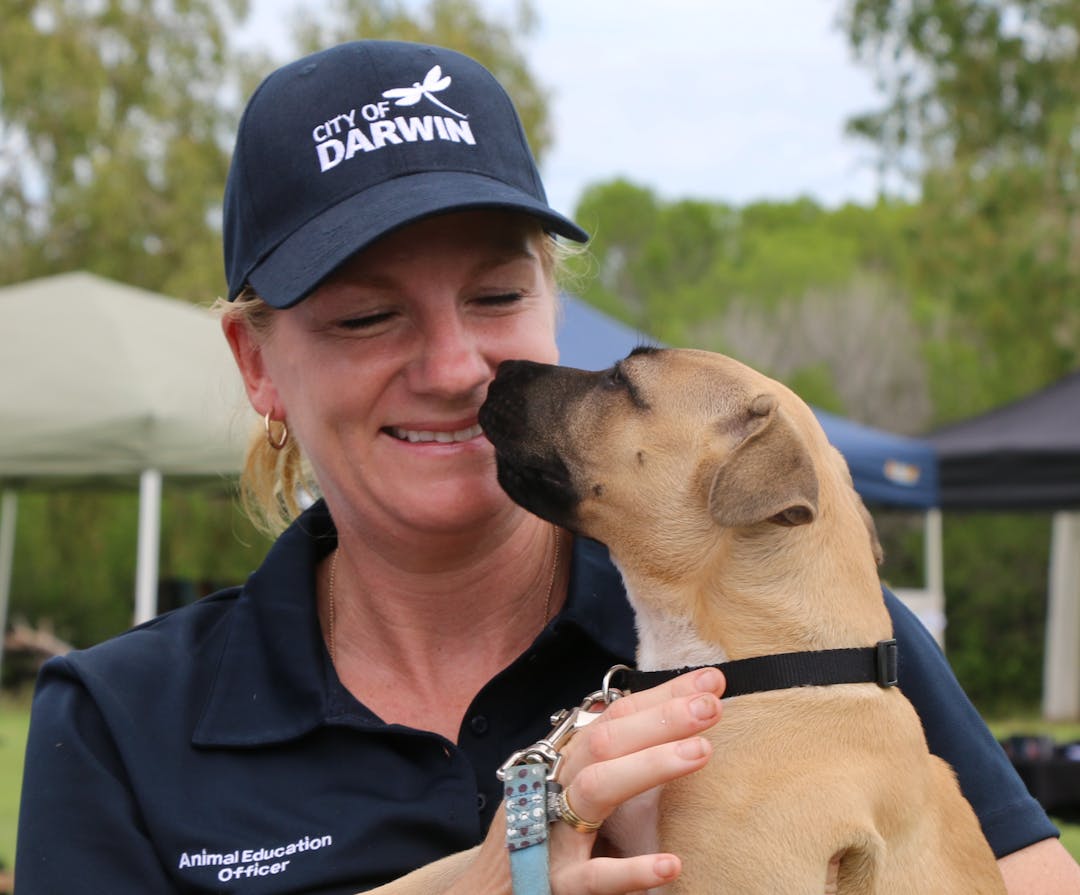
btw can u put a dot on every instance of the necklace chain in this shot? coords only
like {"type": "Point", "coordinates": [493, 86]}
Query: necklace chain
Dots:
{"type": "Point", "coordinates": [554, 574]}
{"type": "Point", "coordinates": [330, 633]}
{"type": "Point", "coordinates": [330, 607]}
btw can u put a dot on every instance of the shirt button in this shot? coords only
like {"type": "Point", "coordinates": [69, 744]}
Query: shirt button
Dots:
{"type": "Point", "coordinates": [481, 801]}
{"type": "Point", "coordinates": [479, 725]}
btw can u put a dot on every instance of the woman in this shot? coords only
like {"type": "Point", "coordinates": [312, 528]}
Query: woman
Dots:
{"type": "Point", "coordinates": [337, 721]}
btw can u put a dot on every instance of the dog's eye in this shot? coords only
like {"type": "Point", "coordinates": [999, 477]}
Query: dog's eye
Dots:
{"type": "Point", "coordinates": [615, 378]}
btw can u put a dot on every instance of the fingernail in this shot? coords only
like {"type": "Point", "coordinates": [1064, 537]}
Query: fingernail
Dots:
{"type": "Point", "coordinates": [665, 867]}
{"type": "Point", "coordinates": [709, 680]}
{"type": "Point", "coordinates": [703, 707]}
{"type": "Point", "coordinates": [692, 749]}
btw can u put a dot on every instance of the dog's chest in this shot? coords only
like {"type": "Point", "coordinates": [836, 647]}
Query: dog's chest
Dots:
{"type": "Point", "coordinates": [666, 640]}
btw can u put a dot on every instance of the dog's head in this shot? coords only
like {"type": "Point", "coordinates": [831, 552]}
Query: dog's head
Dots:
{"type": "Point", "coordinates": [683, 442]}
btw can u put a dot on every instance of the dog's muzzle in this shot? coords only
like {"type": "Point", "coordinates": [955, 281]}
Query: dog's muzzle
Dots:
{"type": "Point", "coordinates": [520, 417]}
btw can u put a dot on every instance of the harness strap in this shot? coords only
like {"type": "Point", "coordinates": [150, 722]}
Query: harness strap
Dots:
{"type": "Point", "coordinates": [857, 665]}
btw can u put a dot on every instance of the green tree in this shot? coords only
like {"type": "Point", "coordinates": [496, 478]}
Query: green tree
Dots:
{"type": "Point", "coordinates": [114, 130]}
{"type": "Point", "coordinates": [622, 217]}
{"type": "Point", "coordinates": [981, 110]}
{"type": "Point", "coordinates": [808, 294]}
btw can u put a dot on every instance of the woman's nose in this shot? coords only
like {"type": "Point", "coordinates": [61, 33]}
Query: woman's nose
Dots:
{"type": "Point", "coordinates": [451, 360]}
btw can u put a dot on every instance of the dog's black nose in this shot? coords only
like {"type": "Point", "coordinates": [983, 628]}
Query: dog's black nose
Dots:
{"type": "Point", "coordinates": [504, 408]}
{"type": "Point", "coordinates": [519, 372]}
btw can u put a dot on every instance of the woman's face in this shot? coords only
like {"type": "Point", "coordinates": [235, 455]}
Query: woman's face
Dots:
{"type": "Point", "coordinates": [380, 372]}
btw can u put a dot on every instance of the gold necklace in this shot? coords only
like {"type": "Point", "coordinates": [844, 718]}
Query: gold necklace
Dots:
{"type": "Point", "coordinates": [330, 608]}
{"type": "Point", "coordinates": [331, 637]}
{"type": "Point", "coordinates": [554, 573]}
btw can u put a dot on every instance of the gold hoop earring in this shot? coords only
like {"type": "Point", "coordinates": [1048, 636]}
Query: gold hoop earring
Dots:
{"type": "Point", "coordinates": [278, 443]}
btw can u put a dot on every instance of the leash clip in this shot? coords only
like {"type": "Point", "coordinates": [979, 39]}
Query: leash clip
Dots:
{"type": "Point", "coordinates": [565, 723]}
{"type": "Point", "coordinates": [532, 792]}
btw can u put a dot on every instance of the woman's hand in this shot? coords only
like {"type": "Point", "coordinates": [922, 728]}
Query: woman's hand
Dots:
{"type": "Point", "coordinates": [640, 742]}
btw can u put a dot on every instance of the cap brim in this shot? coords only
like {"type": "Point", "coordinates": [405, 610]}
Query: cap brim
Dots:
{"type": "Point", "coordinates": [308, 256]}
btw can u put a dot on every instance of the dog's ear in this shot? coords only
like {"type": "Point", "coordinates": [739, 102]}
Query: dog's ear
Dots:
{"type": "Point", "coordinates": [864, 513]}
{"type": "Point", "coordinates": [768, 476]}
{"type": "Point", "coordinates": [875, 541]}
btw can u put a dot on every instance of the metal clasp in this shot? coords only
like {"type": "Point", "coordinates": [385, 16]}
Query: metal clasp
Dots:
{"type": "Point", "coordinates": [565, 723]}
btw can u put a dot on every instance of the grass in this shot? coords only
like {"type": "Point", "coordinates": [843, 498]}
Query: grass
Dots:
{"type": "Point", "coordinates": [14, 722]}
{"type": "Point", "coordinates": [1061, 731]}
{"type": "Point", "coordinates": [15, 718]}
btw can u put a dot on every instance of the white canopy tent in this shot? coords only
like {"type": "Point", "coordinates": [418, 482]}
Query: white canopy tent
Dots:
{"type": "Point", "coordinates": [103, 382]}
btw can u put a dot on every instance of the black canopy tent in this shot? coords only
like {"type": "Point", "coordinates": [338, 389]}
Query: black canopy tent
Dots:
{"type": "Point", "coordinates": [1026, 456]}
{"type": "Point", "coordinates": [1022, 456]}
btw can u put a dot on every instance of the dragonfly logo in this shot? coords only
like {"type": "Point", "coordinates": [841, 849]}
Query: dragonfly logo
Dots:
{"type": "Point", "coordinates": [375, 126]}
{"type": "Point", "coordinates": [434, 82]}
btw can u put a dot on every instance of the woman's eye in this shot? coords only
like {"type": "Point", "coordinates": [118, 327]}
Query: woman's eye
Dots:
{"type": "Point", "coordinates": [365, 321]}
{"type": "Point", "coordinates": [503, 299]}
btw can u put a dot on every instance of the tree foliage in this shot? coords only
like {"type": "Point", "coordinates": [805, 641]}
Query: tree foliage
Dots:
{"type": "Point", "coordinates": [982, 110]}
{"type": "Point", "coordinates": [113, 134]}
{"type": "Point", "coordinates": [811, 295]}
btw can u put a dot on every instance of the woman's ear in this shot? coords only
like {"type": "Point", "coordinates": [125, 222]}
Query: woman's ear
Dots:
{"type": "Point", "coordinates": [247, 352]}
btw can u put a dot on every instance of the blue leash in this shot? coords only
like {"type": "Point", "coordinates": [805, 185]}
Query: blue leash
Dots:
{"type": "Point", "coordinates": [526, 805]}
{"type": "Point", "coordinates": [531, 794]}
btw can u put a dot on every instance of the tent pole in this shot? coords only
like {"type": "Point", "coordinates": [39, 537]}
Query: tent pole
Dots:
{"type": "Point", "coordinates": [8, 504]}
{"type": "Point", "coordinates": [935, 570]}
{"type": "Point", "coordinates": [1061, 666]}
{"type": "Point", "coordinates": [146, 567]}
{"type": "Point", "coordinates": [935, 565]}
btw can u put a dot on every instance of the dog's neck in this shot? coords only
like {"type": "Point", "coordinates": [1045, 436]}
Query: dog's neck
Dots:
{"type": "Point", "coordinates": [668, 640]}
{"type": "Point", "coordinates": [751, 599]}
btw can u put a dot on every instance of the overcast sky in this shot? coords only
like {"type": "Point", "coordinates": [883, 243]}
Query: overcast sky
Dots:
{"type": "Point", "coordinates": [710, 99]}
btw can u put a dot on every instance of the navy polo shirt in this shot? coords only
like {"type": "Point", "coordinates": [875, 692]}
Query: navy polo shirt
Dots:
{"type": "Point", "coordinates": [213, 749]}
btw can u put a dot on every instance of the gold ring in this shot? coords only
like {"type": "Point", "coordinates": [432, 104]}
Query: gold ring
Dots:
{"type": "Point", "coordinates": [567, 815]}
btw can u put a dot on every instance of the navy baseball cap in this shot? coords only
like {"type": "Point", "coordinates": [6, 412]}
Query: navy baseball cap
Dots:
{"type": "Point", "coordinates": [343, 146]}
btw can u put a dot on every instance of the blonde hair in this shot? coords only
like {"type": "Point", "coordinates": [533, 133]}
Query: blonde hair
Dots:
{"type": "Point", "coordinates": [272, 480]}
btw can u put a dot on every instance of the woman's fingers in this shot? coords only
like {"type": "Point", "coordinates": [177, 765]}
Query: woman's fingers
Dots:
{"type": "Point", "coordinates": [640, 742]}
{"type": "Point", "coordinates": [601, 787]}
{"type": "Point", "coordinates": [614, 876]}
{"type": "Point", "coordinates": [673, 711]}
{"type": "Point", "coordinates": [702, 680]}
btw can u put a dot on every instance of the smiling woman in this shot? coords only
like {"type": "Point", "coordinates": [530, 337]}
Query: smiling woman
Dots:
{"type": "Point", "coordinates": [415, 326]}
{"type": "Point", "coordinates": [499, 271]}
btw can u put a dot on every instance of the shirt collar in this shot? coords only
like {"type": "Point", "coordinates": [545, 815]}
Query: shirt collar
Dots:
{"type": "Point", "coordinates": [274, 681]}
{"type": "Point", "coordinates": [271, 682]}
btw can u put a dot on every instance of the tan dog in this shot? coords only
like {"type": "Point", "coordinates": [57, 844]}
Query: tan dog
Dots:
{"type": "Point", "coordinates": [738, 534]}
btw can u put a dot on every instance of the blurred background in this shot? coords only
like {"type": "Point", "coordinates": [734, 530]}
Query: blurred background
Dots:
{"type": "Point", "coordinates": [875, 201]}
